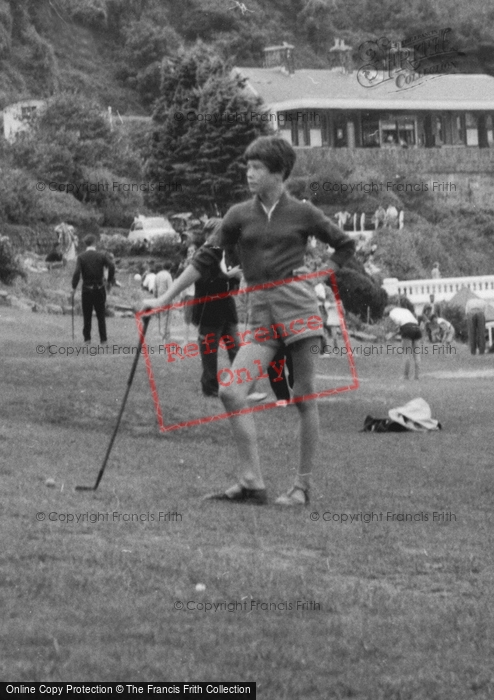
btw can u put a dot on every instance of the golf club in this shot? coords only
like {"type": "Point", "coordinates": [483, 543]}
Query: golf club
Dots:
{"type": "Point", "coordinates": [73, 334]}
{"type": "Point", "coordinates": [146, 320]}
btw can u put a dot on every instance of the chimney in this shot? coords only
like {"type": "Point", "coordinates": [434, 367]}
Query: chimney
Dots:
{"type": "Point", "coordinates": [280, 57]}
{"type": "Point", "coordinates": [340, 56]}
{"type": "Point", "coordinates": [400, 58]}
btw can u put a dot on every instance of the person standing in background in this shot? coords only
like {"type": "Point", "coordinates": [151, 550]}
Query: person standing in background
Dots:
{"type": "Point", "coordinates": [475, 310]}
{"type": "Point", "coordinates": [435, 274]}
{"type": "Point", "coordinates": [91, 266]}
{"type": "Point", "coordinates": [163, 281]}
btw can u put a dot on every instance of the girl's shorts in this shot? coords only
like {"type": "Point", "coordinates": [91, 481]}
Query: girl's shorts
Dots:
{"type": "Point", "coordinates": [411, 331]}
{"type": "Point", "coordinates": [289, 312]}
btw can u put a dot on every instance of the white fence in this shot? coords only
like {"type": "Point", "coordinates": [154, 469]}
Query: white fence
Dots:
{"type": "Point", "coordinates": [444, 289]}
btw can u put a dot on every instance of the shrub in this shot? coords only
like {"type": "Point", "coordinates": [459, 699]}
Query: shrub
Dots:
{"type": "Point", "coordinates": [456, 316]}
{"type": "Point", "coordinates": [163, 247]}
{"type": "Point", "coordinates": [359, 294]}
{"type": "Point", "coordinates": [92, 13]}
{"type": "Point", "coordinates": [403, 302]}
{"type": "Point", "coordinates": [117, 198]}
{"type": "Point", "coordinates": [397, 255]}
{"type": "Point", "coordinates": [18, 197]}
{"type": "Point", "coordinates": [21, 237]}
{"type": "Point", "coordinates": [54, 207]}
{"type": "Point", "coordinates": [117, 244]}
{"type": "Point", "coordinates": [10, 267]}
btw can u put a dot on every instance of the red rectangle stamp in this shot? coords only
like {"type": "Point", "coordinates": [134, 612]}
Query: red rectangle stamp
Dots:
{"type": "Point", "coordinates": [174, 353]}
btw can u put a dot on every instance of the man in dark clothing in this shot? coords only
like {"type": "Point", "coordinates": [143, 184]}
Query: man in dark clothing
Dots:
{"type": "Point", "coordinates": [91, 265]}
{"type": "Point", "coordinates": [215, 319]}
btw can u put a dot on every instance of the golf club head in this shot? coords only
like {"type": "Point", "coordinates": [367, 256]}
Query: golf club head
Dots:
{"type": "Point", "coordinates": [84, 488]}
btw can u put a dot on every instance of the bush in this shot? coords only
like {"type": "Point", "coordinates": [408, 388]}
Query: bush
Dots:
{"type": "Point", "coordinates": [10, 267]}
{"type": "Point", "coordinates": [456, 316]}
{"type": "Point", "coordinates": [117, 244]}
{"type": "Point", "coordinates": [403, 302]}
{"type": "Point", "coordinates": [360, 295]}
{"type": "Point", "coordinates": [91, 13]}
{"type": "Point", "coordinates": [21, 237]}
{"type": "Point", "coordinates": [163, 247]}
{"type": "Point", "coordinates": [397, 254]}
{"type": "Point", "coordinates": [54, 207]}
{"type": "Point", "coordinates": [18, 197]}
{"type": "Point", "coordinates": [115, 197]}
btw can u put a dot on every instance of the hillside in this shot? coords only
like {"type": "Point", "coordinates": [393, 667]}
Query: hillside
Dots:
{"type": "Point", "coordinates": [111, 53]}
{"type": "Point", "coordinates": [111, 49]}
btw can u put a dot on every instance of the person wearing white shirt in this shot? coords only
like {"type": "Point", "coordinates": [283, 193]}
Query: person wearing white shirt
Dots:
{"type": "Point", "coordinates": [162, 283]}
{"type": "Point", "coordinates": [442, 330]}
{"type": "Point", "coordinates": [149, 282]}
{"type": "Point", "coordinates": [409, 329]}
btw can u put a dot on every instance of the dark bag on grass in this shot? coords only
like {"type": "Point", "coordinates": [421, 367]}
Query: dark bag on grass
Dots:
{"type": "Point", "coordinates": [382, 425]}
{"type": "Point", "coordinates": [415, 416]}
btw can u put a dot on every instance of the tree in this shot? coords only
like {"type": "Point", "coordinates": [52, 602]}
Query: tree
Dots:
{"type": "Point", "coordinates": [146, 44]}
{"type": "Point", "coordinates": [203, 123]}
{"type": "Point", "coordinates": [316, 21]}
{"type": "Point", "coordinates": [73, 150]}
{"type": "Point", "coordinates": [5, 29]}
{"type": "Point", "coordinates": [10, 267]}
{"type": "Point", "coordinates": [71, 133]}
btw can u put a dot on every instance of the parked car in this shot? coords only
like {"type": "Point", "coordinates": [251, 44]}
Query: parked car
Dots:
{"type": "Point", "coordinates": [148, 228]}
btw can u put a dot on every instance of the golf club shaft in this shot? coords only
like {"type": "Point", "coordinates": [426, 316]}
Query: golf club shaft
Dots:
{"type": "Point", "coordinates": [146, 320]}
{"type": "Point", "coordinates": [73, 334]}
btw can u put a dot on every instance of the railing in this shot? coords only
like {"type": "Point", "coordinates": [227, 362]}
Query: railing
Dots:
{"type": "Point", "coordinates": [443, 289]}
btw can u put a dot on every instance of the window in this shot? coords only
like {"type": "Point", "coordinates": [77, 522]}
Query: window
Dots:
{"type": "Point", "coordinates": [315, 129]}
{"type": "Point", "coordinates": [27, 113]}
{"type": "Point", "coordinates": [490, 130]}
{"type": "Point", "coordinates": [406, 131]}
{"type": "Point", "coordinates": [370, 131]}
{"type": "Point", "coordinates": [398, 131]}
{"type": "Point", "coordinates": [471, 129]}
{"type": "Point", "coordinates": [459, 130]}
{"type": "Point", "coordinates": [439, 130]}
{"type": "Point", "coordinates": [340, 132]}
{"type": "Point", "coordinates": [300, 128]}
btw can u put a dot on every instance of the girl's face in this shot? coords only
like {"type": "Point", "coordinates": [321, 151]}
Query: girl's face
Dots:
{"type": "Point", "coordinates": [259, 179]}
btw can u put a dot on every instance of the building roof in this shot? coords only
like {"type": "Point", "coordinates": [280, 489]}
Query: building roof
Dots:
{"type": "Point", "coordinates": [333, 89]}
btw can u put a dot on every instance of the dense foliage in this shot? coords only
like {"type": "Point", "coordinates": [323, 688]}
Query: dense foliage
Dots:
{"type": "Point", "coordinates": [74, 155]}
{"type": "Point", "coordinates": [163, 57]}
{"type": "Point", "coordinates": [202, 125]}
{"type": "Point", "coordinates": [10, 267]}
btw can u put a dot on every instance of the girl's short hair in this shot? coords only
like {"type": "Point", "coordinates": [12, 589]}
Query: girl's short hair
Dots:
{"type": "Point", "coordinates": [274, 152]}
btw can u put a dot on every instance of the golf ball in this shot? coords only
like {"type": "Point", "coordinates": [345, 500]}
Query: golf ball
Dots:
{"type": "Point", "coordinates": [200, 587]}
{"type": "Point", "coordinates": [137, 277]}
{"type": "Point", "coordinates": [50, 483]}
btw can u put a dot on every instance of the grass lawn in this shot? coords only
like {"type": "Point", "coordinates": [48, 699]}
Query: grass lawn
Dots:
{"type": "Point", "coordinates": [308, 608]}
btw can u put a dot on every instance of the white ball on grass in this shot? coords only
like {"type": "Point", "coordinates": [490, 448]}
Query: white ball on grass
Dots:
{"type": "Point", "coordinates": [137, 277]}
{"type": "Point", "coordinates": [50, 483]}
{"type": "Point", "coordinates": [200, 587]}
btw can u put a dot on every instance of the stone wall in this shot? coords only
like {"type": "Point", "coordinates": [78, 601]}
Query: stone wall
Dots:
{"type": "Point", "coordinates": [463, 175]}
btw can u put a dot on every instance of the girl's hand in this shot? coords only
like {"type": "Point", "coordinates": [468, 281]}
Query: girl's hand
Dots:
{"type": "Point", "coordinates": [148, 304]}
